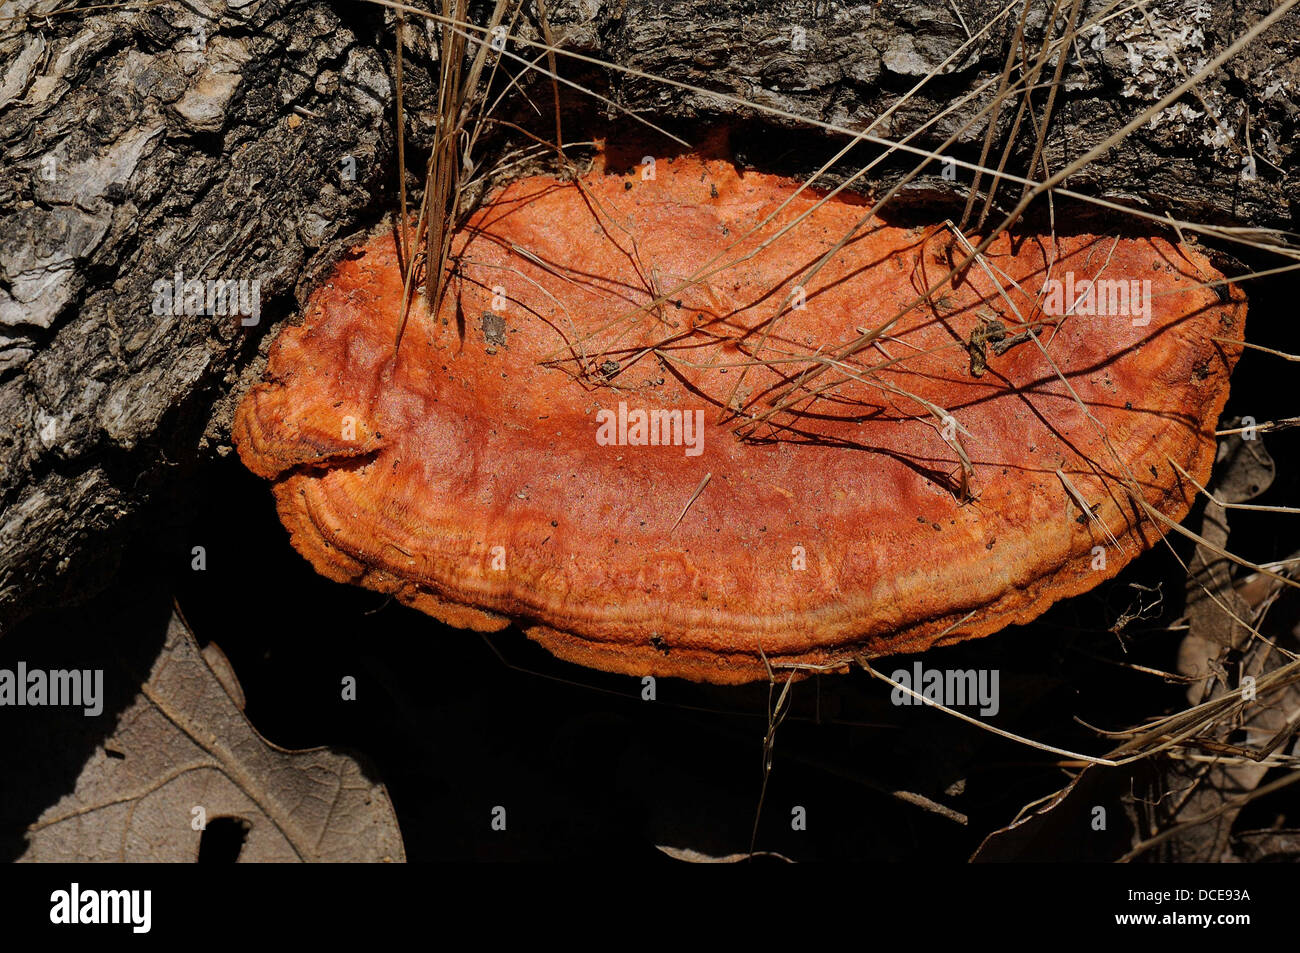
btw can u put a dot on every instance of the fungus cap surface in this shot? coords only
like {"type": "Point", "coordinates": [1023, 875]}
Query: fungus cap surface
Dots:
{"type": "Point", "coordinates": [531, 454]}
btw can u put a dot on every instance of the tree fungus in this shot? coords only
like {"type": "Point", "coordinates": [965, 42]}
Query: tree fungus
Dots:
{"type": "Point", "coordinates": [672, 422]}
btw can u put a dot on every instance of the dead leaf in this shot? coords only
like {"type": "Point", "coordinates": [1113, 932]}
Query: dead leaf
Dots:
{"type": "Point", "coordinates": [1243, 470]}
{"type": "Point", "coordinates": [183, 744]}
{"type": "Point", "coordinates": [1271, 846]}
{"type": "Point", "coordinates": [1219, 646]}
{"type": "Point", "coordinates": [689, 856]}
{"type": "Point", "coordinates": [225, 673]}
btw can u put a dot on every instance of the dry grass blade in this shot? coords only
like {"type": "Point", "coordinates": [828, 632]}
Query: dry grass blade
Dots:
{"type": "Point", "coordinates": [403, 230]}
{"type": "Point", "coordinates": [444, 179]}
{"type": "Point", "coordinates": [776, 715]}
{"type": "Point", "coordinates": [694, 496]}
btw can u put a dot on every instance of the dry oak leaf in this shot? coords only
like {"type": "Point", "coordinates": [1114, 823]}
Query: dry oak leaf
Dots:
{"type": "Point", "coordinates": [183, 744]}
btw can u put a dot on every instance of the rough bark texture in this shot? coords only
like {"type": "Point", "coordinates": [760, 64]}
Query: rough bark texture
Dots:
{"type": "Point", "coordinates": [253, 140]}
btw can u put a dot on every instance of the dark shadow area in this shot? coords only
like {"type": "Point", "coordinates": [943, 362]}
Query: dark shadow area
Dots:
{"type": "Point", "coordinates": [222, 840]}
{"type": "Point", "coordinates": [43, 749]}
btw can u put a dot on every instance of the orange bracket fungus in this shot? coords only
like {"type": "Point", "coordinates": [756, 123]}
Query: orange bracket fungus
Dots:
{"type": "Point", "coordinates": [671, 422]}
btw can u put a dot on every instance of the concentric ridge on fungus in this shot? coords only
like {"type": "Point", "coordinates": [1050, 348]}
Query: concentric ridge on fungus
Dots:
{"type": "Point", "coordinates": [463, 472]}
